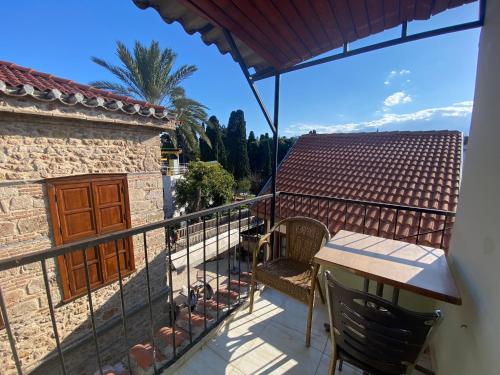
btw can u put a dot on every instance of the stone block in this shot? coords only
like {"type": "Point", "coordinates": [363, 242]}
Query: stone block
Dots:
{"type": "Point", "coordinates": [21, 202]}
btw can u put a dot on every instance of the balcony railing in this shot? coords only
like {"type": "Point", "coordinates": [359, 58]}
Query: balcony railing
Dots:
{"type": "Point", "coordinates": [221, 265]}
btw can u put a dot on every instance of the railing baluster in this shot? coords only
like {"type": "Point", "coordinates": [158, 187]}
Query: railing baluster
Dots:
{"type": "Point", "coordinates": [418, 229]}
{"type": "Point", "coordinates": [229, 261]}
{"type": "Point", "coordinates": [148, 282]}
{"type": "Point", "coordinates": [396, 224]}
{"type": "Point", "coordinates": [328, 214]}
{"type": "Point", "coordinates": [91, 308]}
{"type": "Point", "coordinates": [239, 255]}
{"type": "Point", "coordinates": [12, 342]}
{"type": "Point", "coordinates": [171, 290]}
{"type": "Point", "coordinates": [444, 230]}
{"type": "Point", "coordinates": [379, 218]}
{"type": "Point", "coordinates": [345, 216]}
{"type": "Point", "coordinates": [249, 250]}
{"type": "Point", "coordinates": [52, 315]}
{"type": "Point", "coordinates": [122, 300]}
{"type": "Point", "coordinates": [364, 220]}
{"type": "Point", "coordinates": [188, 285]}
{"type": "Point", "coordinates": [217, 261]}
{"type": "Point", "coordinates": [204, 274]}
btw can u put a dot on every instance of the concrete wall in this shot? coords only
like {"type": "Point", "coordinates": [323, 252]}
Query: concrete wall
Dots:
{"type": "Point", "coordinates": [36, 147]}
{"type": "Point", "coordinates": [468, 341]}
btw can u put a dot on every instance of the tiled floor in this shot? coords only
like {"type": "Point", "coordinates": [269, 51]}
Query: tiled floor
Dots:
{"type": "Point", "coordinates": [269, 341]}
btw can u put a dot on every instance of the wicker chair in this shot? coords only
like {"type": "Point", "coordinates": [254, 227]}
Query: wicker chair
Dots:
{"type": "Point", "coordinates": [293, 272]}
{"type": "Point", "coordinates": [373, 334]}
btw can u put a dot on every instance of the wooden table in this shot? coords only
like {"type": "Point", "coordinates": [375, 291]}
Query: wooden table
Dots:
{"type": "Point", "coordinates": [416, 268]}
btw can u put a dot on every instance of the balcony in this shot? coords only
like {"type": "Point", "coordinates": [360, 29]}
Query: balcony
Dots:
{"type": "Point", "coordinates": [118, 325]}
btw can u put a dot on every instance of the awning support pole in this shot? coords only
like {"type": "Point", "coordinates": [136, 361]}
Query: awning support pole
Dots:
{"type": "Point", "coordinates": [275, 145]}
{"type": "Point", "coordinates": [246, 73]}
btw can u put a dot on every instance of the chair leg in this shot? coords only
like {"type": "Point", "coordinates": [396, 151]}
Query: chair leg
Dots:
{"type": "Point", "coordinates": [311, 305]}
{"type": "Point", "coordinates": [333, 362]}
{"type": "Point", "coordinates": [252, 292]}
{"type": "Point", "coordinates": [320, 290]}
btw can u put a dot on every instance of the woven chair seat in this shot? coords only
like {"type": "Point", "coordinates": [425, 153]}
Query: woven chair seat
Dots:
{"type": "Point", "coordinates": [288, 276]}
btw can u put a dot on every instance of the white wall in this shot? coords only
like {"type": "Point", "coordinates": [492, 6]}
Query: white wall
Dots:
{"type": "Point", "coordinates": [468, 342]}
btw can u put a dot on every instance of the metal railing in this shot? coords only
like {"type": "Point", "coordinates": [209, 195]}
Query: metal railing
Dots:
{"type": "Point", "coordinates": [411, 224]}
{"type": "Point", "coordinates": [224, 303]}
{"type": "Point", "coordinates": [418, 225]}
{"type": "Point", "coordinates": [181, 169]}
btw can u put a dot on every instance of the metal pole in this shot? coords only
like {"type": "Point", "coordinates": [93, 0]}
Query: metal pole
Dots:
{"type": "Point", "coordinates": [275, 148]}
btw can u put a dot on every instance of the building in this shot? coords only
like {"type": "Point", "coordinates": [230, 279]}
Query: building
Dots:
{"type": "Point", "coordinates": [417, 169]}
{"type": "Point", "coordinates": [76, 162]}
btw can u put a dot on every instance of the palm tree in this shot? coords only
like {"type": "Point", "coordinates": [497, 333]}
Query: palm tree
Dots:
{"type": "Point", "coordinates": [148, 74]}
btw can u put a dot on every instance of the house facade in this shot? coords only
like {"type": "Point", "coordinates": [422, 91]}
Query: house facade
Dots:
{"type": "Point", "coordinates": [75, 162]}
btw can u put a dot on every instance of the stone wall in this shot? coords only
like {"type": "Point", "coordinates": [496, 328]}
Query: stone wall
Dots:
{"type": "Point", "coordinates": [34, 148]}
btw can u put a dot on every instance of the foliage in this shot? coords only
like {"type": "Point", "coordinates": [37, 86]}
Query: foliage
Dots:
{"type": "Point", "coordinates": [236, 142]}
{"type": "Point", "coordinates": [205, 185]}
{"type": "Point", "coordinates": [147, 73]}
{"type": "Point", "coordinates": [265, 151]}
{"type": "Point", "coordinates": [218, 149]}
{"type": "Point", "coordinates": [253, 153]}
{"type": "Point", "coordinates": [243, 185]}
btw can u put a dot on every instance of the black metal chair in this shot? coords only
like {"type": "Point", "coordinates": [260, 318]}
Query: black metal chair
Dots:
{"type": "Point", "coordinates": [373, 334]}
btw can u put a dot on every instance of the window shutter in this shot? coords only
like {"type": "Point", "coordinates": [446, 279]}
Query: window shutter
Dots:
{"type": "Point", "coordinates": [84, 207]}
{"type": "Point", "coordinates": [111, 216]}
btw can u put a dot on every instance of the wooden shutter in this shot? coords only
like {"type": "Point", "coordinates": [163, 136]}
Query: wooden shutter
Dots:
{"type": "Point", "coordinates": [111, 216]}
{"type": "Point", "coordinates": [84, 207]}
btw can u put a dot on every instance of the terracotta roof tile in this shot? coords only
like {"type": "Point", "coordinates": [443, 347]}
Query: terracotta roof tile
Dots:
{"type": "Point", "coordinates": [419, 169]}
{"type": "Point", "coordinates": [16, 80]}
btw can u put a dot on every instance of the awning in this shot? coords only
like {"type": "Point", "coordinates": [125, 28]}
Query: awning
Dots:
{"type": "Point", "coordinates": [272, 35]}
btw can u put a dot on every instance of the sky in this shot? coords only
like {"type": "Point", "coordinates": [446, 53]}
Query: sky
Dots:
{"type": "Point", "coordinates": [423, 85]}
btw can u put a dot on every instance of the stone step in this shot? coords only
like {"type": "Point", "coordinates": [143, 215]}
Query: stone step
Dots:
{"type": "Point", "coordinates": [223, 294]}
{"type": "Point", "coordinates": [141, 358]}
{"type": "Point", "coordinates": [211, 307]}
{"type": "Point", "coordinates": [165, 335]}
{"type": "Point", "coordinates": [197, 322]}
{"type": "Point", "coordinates": [245, 276]}
{"type": "Point", "coordinates": [239, 285]}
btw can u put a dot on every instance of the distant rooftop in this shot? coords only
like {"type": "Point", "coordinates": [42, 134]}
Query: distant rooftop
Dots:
{"type": "Point", "coordinates": [420, 169]}
{"type": "Point", "coordinates": [18, 81]}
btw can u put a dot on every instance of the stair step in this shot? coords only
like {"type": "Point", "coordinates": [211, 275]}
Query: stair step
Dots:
{"type": "Point", "coordinates": [142, 356]}
{"type": "Point", "coordinates": [165, 334]}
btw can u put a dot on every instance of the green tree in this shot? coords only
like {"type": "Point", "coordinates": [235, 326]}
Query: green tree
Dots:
{"type": "Point", "coordinates": [266, 155]}
{"type": "Point", "coordinates": [236, 140]}
{"type": "Point", "coordinates": [147, 73]}
{"type": "Point", "coordinates": [253, 153]}
{"type": "Point", "coordinates": [205, 185]}
{"type": "Point", "coordinates": [218, 149]}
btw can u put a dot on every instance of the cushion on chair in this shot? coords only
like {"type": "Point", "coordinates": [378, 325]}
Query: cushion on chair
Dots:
{"type": "Point", "coordinates": [288, 276]}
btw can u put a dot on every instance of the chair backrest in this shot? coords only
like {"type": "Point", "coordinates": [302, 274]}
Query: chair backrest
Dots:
{"type": "Point", "coordinates": [304, 237]}
{"type": "Point", "coordinates": [378, 336]}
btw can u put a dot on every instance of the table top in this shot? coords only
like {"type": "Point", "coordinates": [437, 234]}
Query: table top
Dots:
{"type": "Point", "coordinates": [420, 269]}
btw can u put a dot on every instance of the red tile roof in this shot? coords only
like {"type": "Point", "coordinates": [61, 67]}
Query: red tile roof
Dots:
{"type": "Point", "coordinates": [16, 80]}
{"type": "Point", "coordinates": [420, 169]}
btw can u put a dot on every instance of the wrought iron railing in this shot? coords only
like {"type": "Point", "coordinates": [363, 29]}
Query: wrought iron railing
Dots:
{"type": "Point", "coordinates": [221, 265]}
{"type": "Point", "coordinates": [227, 284]}
{"type": "Point", "coordinates": [424, 226]}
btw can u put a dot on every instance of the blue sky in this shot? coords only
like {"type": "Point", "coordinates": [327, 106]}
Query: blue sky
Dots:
{"type": "Point", "coordinates": [422, 85]}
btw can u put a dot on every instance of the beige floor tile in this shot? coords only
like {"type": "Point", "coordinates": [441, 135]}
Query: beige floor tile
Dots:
{"type": "Point", "coordinates": [278, 351]}
{"type": "Point", "coordinates": [206, 362]}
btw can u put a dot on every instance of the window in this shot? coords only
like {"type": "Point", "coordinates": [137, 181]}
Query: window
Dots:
{"type": "Point", "coordinates": [84, 207]}
{"type": "Point", "coordinates": [2, 324]}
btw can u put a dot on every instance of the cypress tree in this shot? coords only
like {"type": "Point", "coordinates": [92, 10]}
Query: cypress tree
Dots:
{"type": "Point", "coordinates": [266, 154]}
{"type": "Point", "coordinates": [206, 152]}
{"type": "Point", "coordinates": [237, 145]}
{"type": "Point", "coordinates": [214, 133]}
{"type": "Point", "coordinates": [253, 153]}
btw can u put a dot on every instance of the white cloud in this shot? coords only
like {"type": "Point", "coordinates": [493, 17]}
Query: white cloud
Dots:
{"type": "Point", "coordinates": [460, 109]}
{"type": "Point", "coordinates": [399, 97]}
{"type": "Point", "coordinates": [395, 73]}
